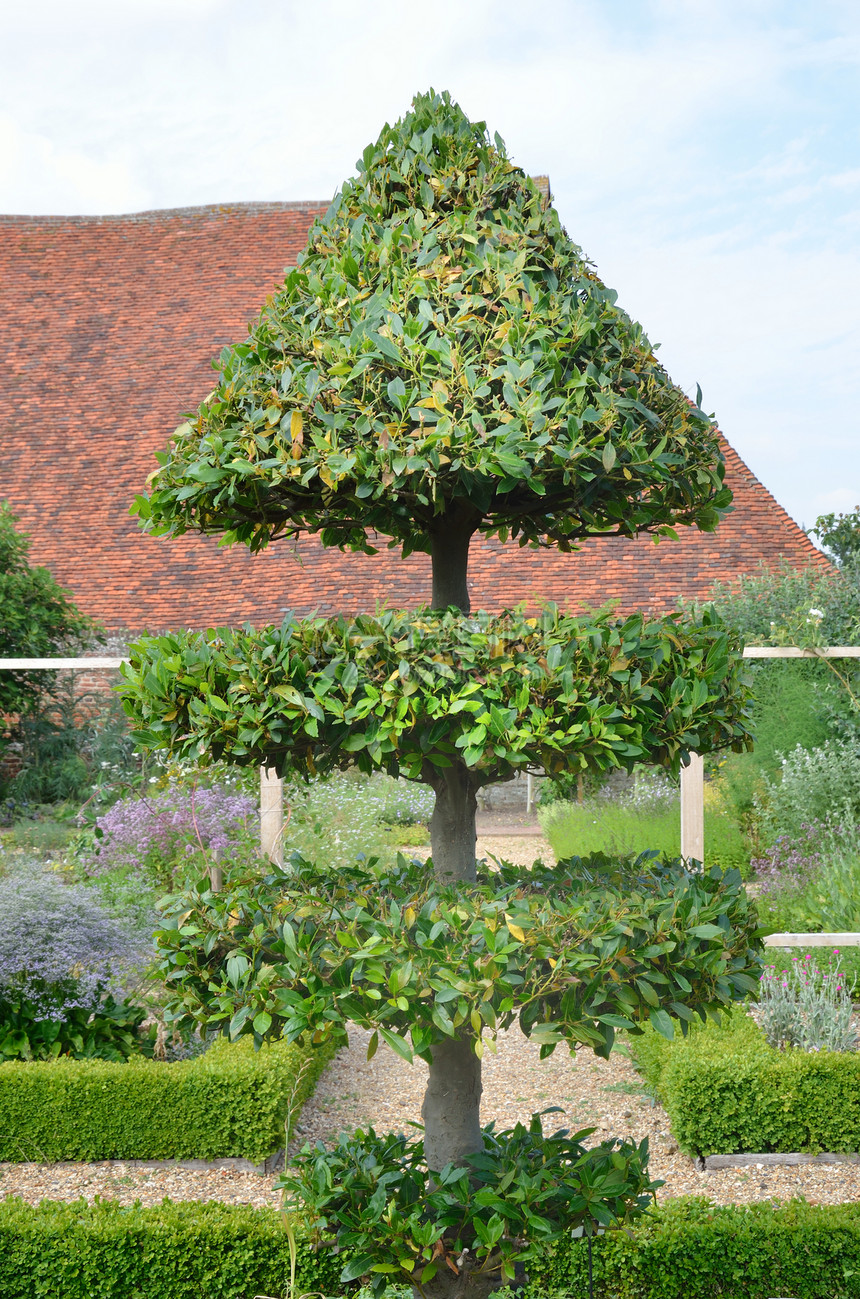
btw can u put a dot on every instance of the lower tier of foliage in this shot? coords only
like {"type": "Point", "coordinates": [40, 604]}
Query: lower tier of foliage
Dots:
{"type": "Point", "coordinates": [231, 1102]}
{"type": "Point", "coordinates": [726, 1091]}
{"type": "Point", "coordinates": [573, 952]}
{"type": "Point", "coordinates": [216, 1251]}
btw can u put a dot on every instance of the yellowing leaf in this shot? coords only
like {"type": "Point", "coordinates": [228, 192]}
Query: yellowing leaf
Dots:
{"type": "Point", "coordinates": [296, 424]}
{"type": "Point", "coordinates": [515, 931]}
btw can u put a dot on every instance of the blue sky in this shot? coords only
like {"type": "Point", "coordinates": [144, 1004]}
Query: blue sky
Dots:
{"type": "Point", "coordinates": [705, 155]}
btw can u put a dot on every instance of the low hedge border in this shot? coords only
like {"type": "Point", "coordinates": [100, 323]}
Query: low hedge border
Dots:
{"type": "Point", "coordinates": [231, 1102]}
{"type": "Point", "coordinates": [692, 1249]}
{"type": "Point", "coordinates": [171, 1251]}
{"type": "Point", "coordinates": [217, 1251]}
{"type": "Point", "coordinates": [727, 1092]}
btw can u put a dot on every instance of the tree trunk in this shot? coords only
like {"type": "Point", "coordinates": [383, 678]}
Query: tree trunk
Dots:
{"type": "Point", "coordinates": [452, 824]}
{"type": "Point", "coordinates": [450, 535]}
{"type": "Point", "coordinates": [452, 1102]}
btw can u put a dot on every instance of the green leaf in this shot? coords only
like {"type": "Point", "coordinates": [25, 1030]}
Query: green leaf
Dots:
{"type": "Point", "coordinates": [357, 1267]}
{"type": "Point", "coordinates": [707, 931]}
{"type": "Point", "coordinates": [662, 1023]}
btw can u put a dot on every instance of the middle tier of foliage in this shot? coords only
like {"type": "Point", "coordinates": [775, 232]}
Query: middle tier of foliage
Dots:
{"type": "Point", "coordinates": [574, 952]}
{"type": "Point", "coordinates": [409, 693]}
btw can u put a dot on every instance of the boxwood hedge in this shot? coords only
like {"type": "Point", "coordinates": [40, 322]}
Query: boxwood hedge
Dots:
{"type": "Point", "coordinates": [727, 1092]}
{"type": "Point", "coordinates": [230, 1102]}
{"type": "Point", "coordinates": [216, 1251]}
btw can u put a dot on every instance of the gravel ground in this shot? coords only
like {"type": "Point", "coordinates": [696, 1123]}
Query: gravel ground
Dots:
{"type": "Point", "coordinates": [386, 1093]}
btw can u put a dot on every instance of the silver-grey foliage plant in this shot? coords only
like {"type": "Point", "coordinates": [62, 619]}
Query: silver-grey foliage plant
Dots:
{"type": "Point", "coordinates": [805, 1006]}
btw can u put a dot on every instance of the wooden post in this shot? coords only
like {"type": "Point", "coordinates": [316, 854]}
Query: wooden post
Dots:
{"type": "Point", "coordinates": [693, 809]}
{"type": "Point", "coordinates": [272, 814]}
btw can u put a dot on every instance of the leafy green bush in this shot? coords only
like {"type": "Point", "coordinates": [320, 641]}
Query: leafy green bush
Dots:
{"type": "Point", "coordinates": [803, 1004]}
{"type": "Point", "coordinates": [230, 1102]}
{"type": "Point", "coordinates": [604, 826]}
{"type": "Point", "coordinates": [726, 1091]}
{"type": "Point", "coordinates": [65, 965]}
{"type": "Point", "coordinates": [691, 1249]}
{"type": "Point", "coordinates": [581, 949]}
{"type": "Point", "coordinates": [831, 902]}
{"type": "Point", "coordinates": [499, 1214]}
{"type": "Point", "coordinates": [169, 1251]}
{"type": "Point", "coordinates": [821, 784]}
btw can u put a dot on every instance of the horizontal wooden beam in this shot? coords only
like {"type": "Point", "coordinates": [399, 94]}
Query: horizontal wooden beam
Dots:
{"type": "Point", "coordinates": [69, 665]}
{"type": "Point", "coordinates": [794, 652]}
{"type": "Point", "coordinates": [812, 940]}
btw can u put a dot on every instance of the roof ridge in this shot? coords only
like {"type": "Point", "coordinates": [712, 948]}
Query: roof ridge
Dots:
{"type": "Point", "coordinates": [150, 214]}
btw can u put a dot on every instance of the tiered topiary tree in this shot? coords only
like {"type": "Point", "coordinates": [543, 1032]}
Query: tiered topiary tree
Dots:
{"type": "Point", "coordinates": [443, 362]}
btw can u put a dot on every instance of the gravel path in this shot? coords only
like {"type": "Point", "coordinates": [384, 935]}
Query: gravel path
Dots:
{"type": "Point", "coordinates": [386, 1093]}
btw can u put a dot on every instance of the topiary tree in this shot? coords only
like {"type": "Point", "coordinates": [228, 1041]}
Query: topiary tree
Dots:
{"type": "Point", "coordinates": [444, 362]}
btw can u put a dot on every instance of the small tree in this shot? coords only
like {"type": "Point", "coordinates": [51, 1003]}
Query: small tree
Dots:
{"type": "Point", "coordinates": [444, 362]}
{"type": "Point", "coordinates": [37, 620]}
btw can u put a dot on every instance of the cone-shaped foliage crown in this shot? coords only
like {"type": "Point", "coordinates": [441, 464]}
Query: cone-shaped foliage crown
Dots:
{"type": "Point", "coordinates": [442, 345]}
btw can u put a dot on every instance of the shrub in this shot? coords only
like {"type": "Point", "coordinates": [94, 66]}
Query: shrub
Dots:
{"type": "Point", "coordinates": [822, 784]}
{"type": "Point", "coordinates": [692, 1249]}
{"type": "Point", "coordinates": [514, 1199]}
{"type": "Point", "coordinates": [832, 901]}
{"type": "Point", "coordinates": [727, 1091]}
{"type": "Point", "coordinates": [169, 1251]}
{"type": "Point", "coordinates": [802, 1005]}
{"type": "Point", "coordinates": [230, 1102]}
{"type": "Point", "coordinates": [63, 964]}
{"type": "Point", "coordinates": [686, 1247]}
{"type": "Point", "coordinates": [811, 883]}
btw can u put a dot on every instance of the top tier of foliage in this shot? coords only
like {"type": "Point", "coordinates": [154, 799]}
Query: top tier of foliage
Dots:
{"type": "Point", "coordinates": [441, 350]}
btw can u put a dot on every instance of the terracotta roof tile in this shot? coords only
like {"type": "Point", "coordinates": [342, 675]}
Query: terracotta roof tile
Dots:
{"type": "Point", "coordinates": [109, 325]}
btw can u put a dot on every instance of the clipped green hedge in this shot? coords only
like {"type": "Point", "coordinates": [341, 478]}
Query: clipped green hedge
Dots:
{"type": "Point", "coordinates": [170, 1251]}
{"type": "Point", "coordinates": [692, 1249]}
{"type": "Point", "coordinates": [230, 1102]}
{"type": "Point", "coordinates": [685, 1248]}
{"type": "Point", "coordinates": [726, 1091]}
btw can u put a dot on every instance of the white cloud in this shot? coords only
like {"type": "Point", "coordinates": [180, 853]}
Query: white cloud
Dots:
{"type": "Point", "coordinates": [32, 165]}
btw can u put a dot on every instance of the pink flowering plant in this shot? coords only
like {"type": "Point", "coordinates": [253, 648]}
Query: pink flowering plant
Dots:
{"type": "Point", "coordinates": [804, 1005]}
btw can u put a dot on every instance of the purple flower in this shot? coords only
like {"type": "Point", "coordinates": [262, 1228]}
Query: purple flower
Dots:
{"type": "Point", "coordinates": [58, 949]}
{"type": "Point", "coordinates": [151, 836]}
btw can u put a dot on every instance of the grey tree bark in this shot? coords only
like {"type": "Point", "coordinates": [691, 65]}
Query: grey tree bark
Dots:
{"type": "Point", "coordinates": [452, 1101]}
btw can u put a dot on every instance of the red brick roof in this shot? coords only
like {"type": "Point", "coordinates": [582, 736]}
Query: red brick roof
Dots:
{"type": "Point", "coordinates": [108, 325]}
